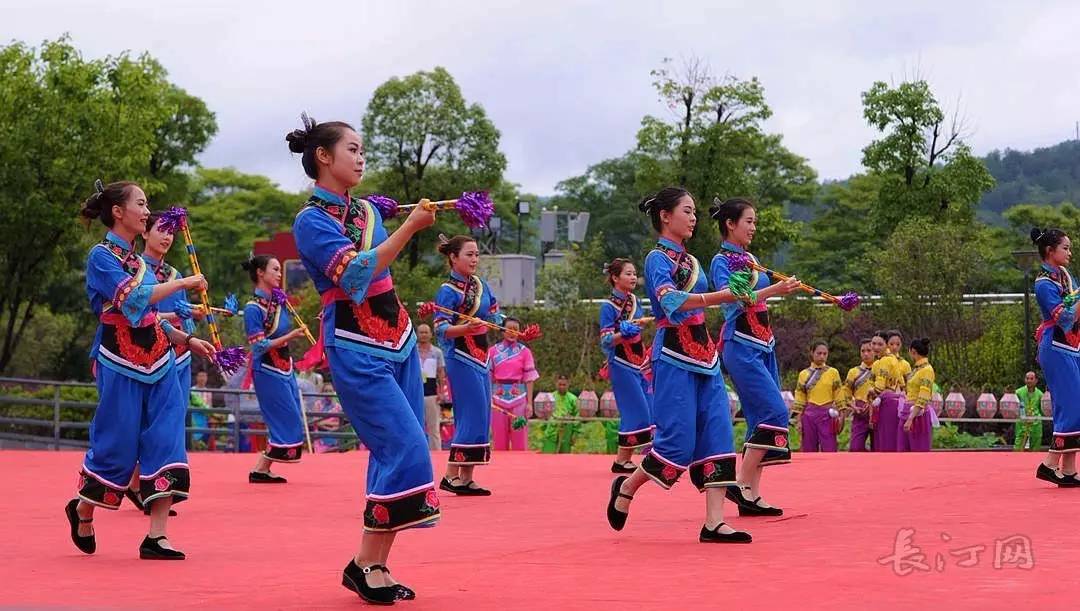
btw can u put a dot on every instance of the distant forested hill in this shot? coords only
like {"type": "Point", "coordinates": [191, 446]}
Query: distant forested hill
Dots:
{"type": "Point", "coordinates": [1048, 175]}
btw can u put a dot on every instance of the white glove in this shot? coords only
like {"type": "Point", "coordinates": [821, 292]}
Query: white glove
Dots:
{"type": "Point", "coordinates": [876, 402]}
{"type": "Point", "coordinates": [833, 413]}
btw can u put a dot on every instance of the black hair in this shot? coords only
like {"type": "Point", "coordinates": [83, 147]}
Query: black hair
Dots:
{"type": "Point", "coordinates": [454, 245]}
{"type": "Point", "coordinates": [730, 209]}
{"type": "Point", "coordinates": [814, 345]}
{"type": "Point", "coordinates": [880, 334]}
{"type": "Point", "coordinates": [664, 199]}
{"type": "Point", "coordinates": [1046, 239]}
{"type": "Point", "coordinates": [615, 267]}
{"type": "Point", "coordinates": [152, 220]}
{"type": "Point", "coordinates": [313, 137]}
{"type": "Point", "coordinates": [510, 319]}
{"type": "Point", "coordinates": [891, 333]}
{"type": "Point", "coordinates": [865, 340]}
{"type": "Point", "coordinates": [105, 198]}
{"type": "Point", "coordinates": [562, 376]}
{"type": "Point", "coordinates": [256, 263]}
{"type": "Point", "coordinates": [921, 346]}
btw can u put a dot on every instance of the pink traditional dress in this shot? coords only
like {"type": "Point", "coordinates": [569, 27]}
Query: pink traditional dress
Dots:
{"type": "Point", "coordinates": [512, 368]}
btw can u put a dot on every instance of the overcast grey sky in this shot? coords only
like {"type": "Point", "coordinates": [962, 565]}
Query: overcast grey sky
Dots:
{"type": "Point", "coordinates": [567, 83]}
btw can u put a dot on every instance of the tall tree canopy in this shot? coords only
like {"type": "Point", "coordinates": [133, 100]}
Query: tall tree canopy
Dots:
{"type": "Point", "coordinates": [67, 121]}
{"type": "Point", "coordinates": [424, 140]}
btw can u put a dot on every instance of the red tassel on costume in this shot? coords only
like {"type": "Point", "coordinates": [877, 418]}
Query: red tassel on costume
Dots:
{"type": "Point", "coordinates": [314, 358]}
{"type": "Point", "coordinates": [249, 375]}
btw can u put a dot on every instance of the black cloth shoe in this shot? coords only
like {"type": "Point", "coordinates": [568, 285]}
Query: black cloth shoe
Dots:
{"type": "Point", "coordinates": [1048, 475]}
{"type": "Point", "coordinates": [88, 544]}
{"type": "Point", "coordinates": [258, 477]}
{"type": "Point", "coordinates": [447, 485]}
{"type": "Point", "coordinates": [151, 550]}
{"type": "Point", "coordinates": [135, 499]}
{"type": "Point", "coordinates": [401, 591]}
{"type": "Point", "coordinates": [615, 518]}
{"type": "Point", "coordinates": [715, 536]}
{"type": "Point", "coordinates": [471, 489]}
{"type": "Point", "coordinates": [354, 578]}
{"type": "Point", "coordinates": [748, 508]}
{"type": "Point", "coordinates": [627, 467]}
{"type": "Point", "coordinates": [1069, 481]}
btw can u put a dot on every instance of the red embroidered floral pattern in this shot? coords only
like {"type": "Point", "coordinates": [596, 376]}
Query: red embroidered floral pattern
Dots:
{"type": "Point", "coordinates": [475, 351]}
{"type": "Point", "coordinates": [708, 468]}
{"type": "Point", "coordinates": [161, 484]}
{"type": "Point", "coordinates": [280, 361]}
{"type": "Point", "coordinates": [432, 499]}
{"type": "Point", "coordinates": [459, 456]}
{"type": "Point", "coordinates": [1059, 442]}
{"type": "Point", "coordinates": [111, 498]}
{"type": "Point", "coordinates": [136, 353]}
{"type": "Point", "coordinates": [378, 328]}
{"type": "Point", "coordinates": [631, 439]}
{"type": "Point", "coordinates": [380, 513]}
{"type": "Point", "coordinates": [780, 441]}
{"type": "Point", "coordinates": [291, 453]}
{"type": "Point", "coordinates": [704, 353]}
{"type": "Point", "coordinates": [669, 473]}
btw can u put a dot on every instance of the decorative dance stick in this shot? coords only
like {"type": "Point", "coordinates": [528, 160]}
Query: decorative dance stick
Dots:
{"type": "Point", "coordinates": [474, 207]}
{"type": "Point", "coordinates": [280, 297]}
{"type": "Point", "coordinates": [517, 423]}
{"type": "Point", "coordinates": [303, 415]}
{"type": "Point", "coordinates": [229, 360]}
{"type": "Point", "coordinates": [847, 302]}
{"type": "Point", "coordinates": [528, 334]}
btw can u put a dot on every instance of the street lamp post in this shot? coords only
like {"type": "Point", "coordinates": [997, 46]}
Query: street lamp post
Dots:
{"type": "Point", "coordinates": [522, 210]}
{"type": "Point", "coordinates": [1025, 261]}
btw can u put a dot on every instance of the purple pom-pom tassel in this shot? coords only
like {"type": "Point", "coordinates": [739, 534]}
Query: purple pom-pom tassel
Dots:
{"type": "Point", "coordinates": [848, 301]}
{"type": "Point", "coordinates": [172, 220]}
{"type": "Point", "coordinates": [230, 359]}
{"type": "Point", "coordinates": [278, 296]}
{"type": "Point", "coordinates": [387, 206]}
{"type": "Point", "coordinates": [475, 208]}
{"type": "Point", "coordinates": [739, 261]}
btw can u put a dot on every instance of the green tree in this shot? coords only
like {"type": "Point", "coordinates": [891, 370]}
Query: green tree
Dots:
{"type": "Point", "coordinates": [229, 211]}
{"type": "Point", "coordinates": [715, 146]}
{"type": "Point", "coordinates": [424, 140]}
{"type": "Point", "coordinates": [926, 168]}
{"type": "Point", "coordinates": [924, 286]}
{"type": "Point", "coordinates": [833, 251]}
{"type": "Point", "coordinates": [67, 121]}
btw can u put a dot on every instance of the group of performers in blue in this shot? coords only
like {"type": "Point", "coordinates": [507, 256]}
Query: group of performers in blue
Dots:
{"type": "Point", "coordinates": [672, 398]}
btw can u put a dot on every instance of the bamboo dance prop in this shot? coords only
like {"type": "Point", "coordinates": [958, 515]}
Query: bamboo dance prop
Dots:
{"type": "Point", "coordinates": [229, 360]}
{"type": "Point", "coordinates": [474, 207]}
{"type": "Point", "coordinates": [742, 262]}
{"type": "Point", "coordinates": [528, 334]}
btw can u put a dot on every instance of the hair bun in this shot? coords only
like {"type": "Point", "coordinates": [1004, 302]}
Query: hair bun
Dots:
{"type": "Point", "coordinates": [1036, 235]}
{"type": "Point", "coordinates": [714, 209]}
{"type": "Point", "coordinates": [297, 140]}
{"type": "Point", "coordinates": [647, 204]}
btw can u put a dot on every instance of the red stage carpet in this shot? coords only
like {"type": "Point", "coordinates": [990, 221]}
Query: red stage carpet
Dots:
{"type": "Point", "coordinates": [542, 541]}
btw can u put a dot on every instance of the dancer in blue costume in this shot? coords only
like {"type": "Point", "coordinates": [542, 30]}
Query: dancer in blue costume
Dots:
{"type": "Point", "coordinates": [749, 358]}
{"type": "Point", "coordinates": [1058, 339]}
{"type": "Point", "coordinates": [141, 411]}
{"type": "Point", "coordinates": [177, 310]}
{"type": "Point", "coordinates": [269, 330]}
{"type": "Point", "coordinates": [466, 347]}
{"type": "Point", "coordinates": [370, 344]}
{"type": "Point", "coordinates": [620, 339]}
{"type": "Point", "coordinates": [693, 420]}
